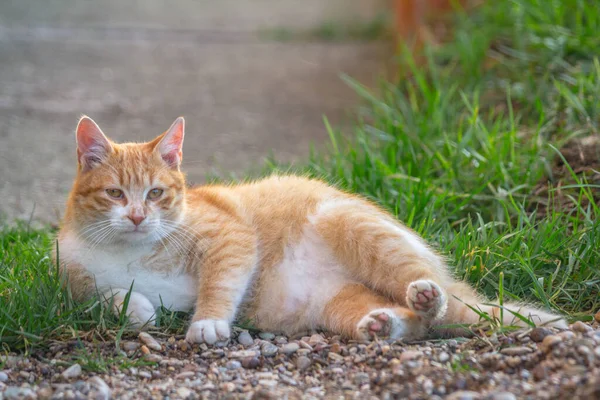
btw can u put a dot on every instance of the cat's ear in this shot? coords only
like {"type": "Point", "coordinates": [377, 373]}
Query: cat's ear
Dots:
{"type": "Point", "coordinates": [171, 143]}
{"type": "Point", "coordinates": [92, 145]}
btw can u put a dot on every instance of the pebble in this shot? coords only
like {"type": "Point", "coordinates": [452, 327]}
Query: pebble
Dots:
{"type": "Point", "coordinates": [316, 338]}
{"type": "Point", "coordinates": [266, 336]}
{"type": "Point", "coordinates": [268, 349]}
{"type": "Point", "coordinates": [149, 341]}
{"type": "Point", "coordinates": [145, 374]}
{"type": "Point", "coordinates": [130, 346]}
{"type": "Point", "coordinates": [361, 378]}
{"type": "Point", "coordinates": [503, 396]}
{"type": "Point", "coordinates": [72, 372]}
{"type": "Point", "coordinates": [250, 362]}
{"type": "Point", "coordinates": [549, 342]}
{"type": "Point", "coordinates": [303, 362]}
{"type": "Point", "coordinates": [15, 392]}
{"type": "Point", "coordinates": [281, 340]}
{"type": "Point", "coordinates": [45, 393]}
{"type": "Point", "coordinates": [185, 375]}
{"type": "Point", "coordinates": [335, 357]}
{"type": "Point", "coordinates": [516, 351]}
{"type": "Point", "coordinates": [233, 364]}
{"type": "Point", "coordinates": [145, 349]}
{"type": "Point", "coordinates": [290, 348]}
{"type": "Point", "coordinates": [3, 376]}
{"type": "Point", "coordinates": [409, 355]}
{"type": "Point", "coordinates": [102, 389]}
{"type": "Point", "coordinates": [184, 392]}
{"type": "Point", "coordinates": [443, 356]}
{"type": "Point", "coordinates": [581, 327]}
{"type": "Point", "coordinates": [566, 335]}
{"type": "Point", "coordinates": [304, 352]}
{"type": "Point", "coordinates": [597, 316]}
{"type": "Point", "coordinates": [463, 395]}
{"type": "Point", "coordinates": [244, 354]}
{"type": "Point", "coordinates": [538, 334]}
{"type": "Point", "coordinates": [153, 358]}
{"type": "Point", "coordinates": [337, 348]}
{"type": "Point", "coordinates": [245, 339]}
{"type": "Point", "coordinates": [597, 351]}
{"type": "Point", "coordinates": [305, 345]}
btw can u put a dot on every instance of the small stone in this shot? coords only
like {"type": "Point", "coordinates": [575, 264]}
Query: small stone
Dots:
{"type": "Point", "coordinates": [597, 317]}
{"type": "Point", "coordinates": [409, 355]}
{"type": "Point", "coordinates": [597, 351]}
{"type": "Point", "coordinates": [245, 339]}
{"type": "Point", "coordinates": [304, 352]}
{"type": "Point", "coordinates": [268, 349]}
{"type": "Point", "coordinates": [464, 395]}
{"type": "Point", "coordinates": [503, 396]}
{"type": "Point", "coordinates": [305, 345]}
{"type": "Point", "coordinates": [184, 392]}
{"type": "Point", "coordinates": [549, 342]}
{"type": "Point", "coordinates": [266, 336]}
{"type": "Point", "coordinates": [335, 357]}
{"type": "Point", "coordinates": [250, 362]}
{"type": "Point", "coordinates": [538, 334]}
{"type": "Point", "coordinates": [72, 372]}
{"type": "Point", "coordinates": [290, 348]}
{"type": "Point", "coordinates": [130, 346]}
{"type": "Point", "coordinates": [15, 392]}
{"type": "Point", "coordinates": [45, 393]}
{"type": "Point", "coordinates": [336, 348]}
{"type": "Point", "coordinates": [102, 389]}
{"type": "Point", "coordinates": [361, 379]}
{"type": "Point", "coordinates": [316, 338]}
{"type": "Point", "coordinates": [513, 361]}
{"type": "Point", "coordinates": [145, 374]}
{"type": "Point", "coordinates": [581, 327]}
{"type": "Point", "coordinates": [3, 376]}
{"type": "Point", "coordinates": [516, 351]}
{"type": "Point", "coordinates": [183, 345]}
{"type": "Point", "coordinates": [540, 372]}
{"type": "Point", "coordinates": [185, 375]}
{"type": "Point", "coordinates": [153, 358]}
{"type": "Point", "coordinates": [303, 363]}
{"type": "Point", "coordinates": [149, 341]}
{"type": "Point", "coordinates": [243, 354]}
{"type": "Point", "coordinates": [233, 364]}
{"type": "Point", "coordinates": [443, 357]}
{"type": "Point", "coordinates": [145, 349]}
{"type": "Point", "coordinates": [281, 340]}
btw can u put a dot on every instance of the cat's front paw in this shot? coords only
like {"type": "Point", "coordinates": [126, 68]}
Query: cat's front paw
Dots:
{"type": "Point", "coordinates": [427, 299]}
{"type": "Point", "coordinates": [208, 331]}
{"type": "Point", "coordinates": [139, 309]}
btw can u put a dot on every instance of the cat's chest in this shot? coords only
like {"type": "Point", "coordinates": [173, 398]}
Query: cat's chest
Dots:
{"type": "Point", "coordinates": [155, 275]}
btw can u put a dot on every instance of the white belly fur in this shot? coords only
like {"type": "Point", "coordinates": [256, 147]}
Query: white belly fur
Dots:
{"type": "Point", "coordinates": [302, 284]}
{"type": "Point", "coordinates": [119, 267]}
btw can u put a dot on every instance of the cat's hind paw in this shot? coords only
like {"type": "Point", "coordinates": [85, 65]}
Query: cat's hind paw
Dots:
{"type": "Point", "coordinates": [209, 331]}
{"type": "Point", "coordinates": [381, 323]}
{"type": "Point", "coordinates": [427, 299]}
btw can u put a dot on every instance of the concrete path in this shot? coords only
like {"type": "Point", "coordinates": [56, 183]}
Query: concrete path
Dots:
{"type": "Point", "coordinates": [134, 66]}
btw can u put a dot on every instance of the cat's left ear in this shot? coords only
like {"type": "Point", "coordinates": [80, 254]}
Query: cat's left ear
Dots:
{"type": "Point", "coordinates": [170, 146]}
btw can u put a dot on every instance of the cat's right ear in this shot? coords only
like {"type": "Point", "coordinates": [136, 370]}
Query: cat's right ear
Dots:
{"type": "Point", "coordinates": [92, 145]}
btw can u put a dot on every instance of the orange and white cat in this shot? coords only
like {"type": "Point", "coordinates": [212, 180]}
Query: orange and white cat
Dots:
{"type": "Point", "coordinates": [288, 253]}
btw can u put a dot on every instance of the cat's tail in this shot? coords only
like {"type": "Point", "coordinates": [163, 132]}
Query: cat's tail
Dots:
{"type": "Point", "coordinates": [466, 308]}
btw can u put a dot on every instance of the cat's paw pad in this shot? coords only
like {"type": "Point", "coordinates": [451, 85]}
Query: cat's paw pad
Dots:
{"type": "Point", "coordinates": [427, 298]}
{"type": "Point", "coordinates": [208, 331]}
{"type": "Point", "coordinates": [380, 323]}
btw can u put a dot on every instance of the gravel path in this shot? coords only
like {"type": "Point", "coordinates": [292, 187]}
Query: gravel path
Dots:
{"type": "Point", "coordinates": [540, 363]}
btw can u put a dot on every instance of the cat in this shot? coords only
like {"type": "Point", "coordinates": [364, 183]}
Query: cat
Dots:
{"type": "Point", "coordinates": [288, 253]}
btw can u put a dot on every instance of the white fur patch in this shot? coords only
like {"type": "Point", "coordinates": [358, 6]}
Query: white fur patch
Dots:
{"type": "Point", "coordinates": [208, 331]}
{"type": "Point", "coordinates": [116, 267]}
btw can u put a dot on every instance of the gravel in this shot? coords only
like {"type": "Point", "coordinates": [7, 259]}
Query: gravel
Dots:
{"type": "Point", "coordinates": [541, 363]}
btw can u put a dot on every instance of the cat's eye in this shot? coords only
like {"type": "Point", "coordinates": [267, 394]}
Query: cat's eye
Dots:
{"type": "Point", "coordinates": [155, 194]}
{"type": "Point", "coordinates": [115, 193]}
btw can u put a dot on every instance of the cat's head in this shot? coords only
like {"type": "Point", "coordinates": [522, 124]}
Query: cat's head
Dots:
{"type": "Point", "coordinates": [130, 192]}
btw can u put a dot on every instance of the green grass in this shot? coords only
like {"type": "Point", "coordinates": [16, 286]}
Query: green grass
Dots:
{"type": "Point", "coordinates": [455, 149]}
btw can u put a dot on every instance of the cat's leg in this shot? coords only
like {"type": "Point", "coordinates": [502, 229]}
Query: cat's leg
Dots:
{"type": "Point", "coordinates": [384, 255]}
{"type": "Point", "coordinates": [357, 312]}
{"type": "Point", "coordinates": [223, 277]}
{"type": "Point", "coordinates": [139, 309]}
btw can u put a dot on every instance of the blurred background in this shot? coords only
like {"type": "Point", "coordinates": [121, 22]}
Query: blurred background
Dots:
{"type": "Point", "coordinates": [251, 77]}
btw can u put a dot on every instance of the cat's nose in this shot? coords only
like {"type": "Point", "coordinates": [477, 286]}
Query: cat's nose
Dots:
{"type": "Point", "coordinates": [136, 218]}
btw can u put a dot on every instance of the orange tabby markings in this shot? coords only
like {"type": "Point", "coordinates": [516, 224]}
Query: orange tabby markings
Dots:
{"type": "Point", "coordinates": [286, 252]}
